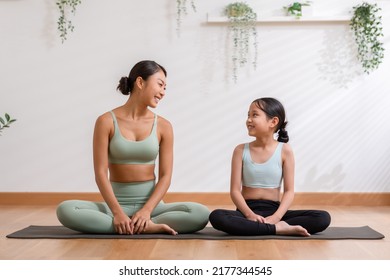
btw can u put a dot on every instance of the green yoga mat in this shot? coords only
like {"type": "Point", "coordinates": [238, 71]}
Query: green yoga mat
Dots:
{"type": "Point", "coordinates": [61, 232]}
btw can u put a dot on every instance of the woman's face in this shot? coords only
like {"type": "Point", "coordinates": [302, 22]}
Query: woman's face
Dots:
{"type": "Point", "coordinates": [154, 89]}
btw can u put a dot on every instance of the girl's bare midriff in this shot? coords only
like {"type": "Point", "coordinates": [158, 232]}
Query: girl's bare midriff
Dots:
{"type": "Point", "coordinates": [261, 193]}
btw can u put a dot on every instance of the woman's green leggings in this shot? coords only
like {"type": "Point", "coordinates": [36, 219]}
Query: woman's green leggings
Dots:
{"type": "Point", "coordinates": [96, 217]}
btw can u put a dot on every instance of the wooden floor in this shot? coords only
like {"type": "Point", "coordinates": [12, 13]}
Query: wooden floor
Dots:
{"type": "Point", "coordinates": [17, 217]}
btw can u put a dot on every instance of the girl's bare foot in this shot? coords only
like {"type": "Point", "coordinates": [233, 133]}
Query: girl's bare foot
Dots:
{"type": "Point", "coordinates": [159, 228]}
{"type": "Point", "coordinates": [282, 228]}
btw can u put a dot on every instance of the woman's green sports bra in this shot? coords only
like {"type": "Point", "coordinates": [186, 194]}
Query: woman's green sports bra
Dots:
{"type": "Point", "coordinates": [123, 151]}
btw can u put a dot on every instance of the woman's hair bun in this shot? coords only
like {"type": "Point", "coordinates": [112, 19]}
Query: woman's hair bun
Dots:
{"type": "Point", "coordinates": [124, 86]}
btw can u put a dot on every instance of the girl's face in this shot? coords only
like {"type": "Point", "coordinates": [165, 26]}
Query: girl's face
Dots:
{"type": "Point", "coordinates": [258, 123]}
{"type": "Point", "coordinates": [154, 89]}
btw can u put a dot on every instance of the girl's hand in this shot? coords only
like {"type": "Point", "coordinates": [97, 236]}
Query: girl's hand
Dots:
{"type": "Point", "coordinates": [122, 224]}
{"type": "Point", "coordinates": [272, 220]}
{"type": "Point", "coordinates": [256, 218]}
{"type": "Point", "coordinates": [140, 220]}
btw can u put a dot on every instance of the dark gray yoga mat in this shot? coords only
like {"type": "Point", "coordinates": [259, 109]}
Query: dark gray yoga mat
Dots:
{"type": "Point", "coordinates": [61, 232]}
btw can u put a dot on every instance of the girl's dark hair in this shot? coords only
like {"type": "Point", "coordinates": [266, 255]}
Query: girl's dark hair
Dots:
{"type": "Point", "coordinates": [143, 69]}
{"type": "Point", "coordinates": [273, 108]}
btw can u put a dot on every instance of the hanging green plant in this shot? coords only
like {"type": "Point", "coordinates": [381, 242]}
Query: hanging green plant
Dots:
{"type": "Point", "coordinates": [242, 30]}
{"type": "Point", "coordinates": [182, 10]}
{"type": "Point", "coordinates": [295, 9]}
{"type": "Point", "coordinates": [64, 24]}
{"type": "Point", "coordinates": [366, 25]}
{"type": "Point", "coordinates": [5, 122]}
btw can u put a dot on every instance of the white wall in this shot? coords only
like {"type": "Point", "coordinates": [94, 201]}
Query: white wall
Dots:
{"type": "Point", "coordinates": [338, 117]}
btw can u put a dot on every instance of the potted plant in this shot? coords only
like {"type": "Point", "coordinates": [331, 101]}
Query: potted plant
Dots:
{"type": "Point", "coordinates": [296, 9]}
{"type": "Point", "coordinates": [5, 122]}
{"type": "Point", "coordinates": [181, 9]}
{"type": "Point", "coordinates": [64, 24]}
{"type": "Point", "coordinates": [366, 25]}
{"type": "Point", "coordinates": [242, 31]}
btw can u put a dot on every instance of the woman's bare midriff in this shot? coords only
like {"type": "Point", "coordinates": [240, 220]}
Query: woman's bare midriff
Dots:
{"type": "Point", "coordinates": [261, 193]}
{"type": "Point", "coordinates": [125, 173]}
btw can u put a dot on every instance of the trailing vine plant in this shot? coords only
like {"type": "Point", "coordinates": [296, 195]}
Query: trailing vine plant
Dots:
{"type": "Point", "coordinates": [295, 9]}
{"type": "Point", "coordinates": [5, 122]}
{"type": "Point", "coordinates": [366, 25]}
{"type": "Point", "coordinates": [242, 29]}
{"type": "Point", "coordinates": [182, 10]}
{"type": "Point", "coordinates": [64, 24]}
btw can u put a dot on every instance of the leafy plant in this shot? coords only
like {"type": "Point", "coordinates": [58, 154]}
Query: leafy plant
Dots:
{"type": "Point", "coordinates": [181, 10]}
{"type": "Point", "coordinates": [295, 9]}
{"type": "Point", "coordinates": [367, 28]}
{"type": "Point", "coordinates": [5, 122]}
{"type": "Point", "coordinates": [242, 29]}
{"type": "Point", "coordinates": [64, 24]}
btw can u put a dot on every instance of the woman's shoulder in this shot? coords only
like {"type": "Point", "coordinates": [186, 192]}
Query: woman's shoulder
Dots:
{"type": "Point", "coordinates": [105, 121]}
{"type": "Point", "coordinates": [109, 115]}
{"type": "Point", "coordinates": [105, 117]}
{"type": "Point", "coordinates": [163, 122]}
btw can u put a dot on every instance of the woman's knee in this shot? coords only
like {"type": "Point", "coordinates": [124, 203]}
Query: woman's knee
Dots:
{"type": "Point", "coordinates": [65, 210]}
{"type": "Point", "coordinates": [184, 217]}
{"type": "Point", "coordinates": [203, 211]}
{"type": "Point", "coordinates": [201, 214]}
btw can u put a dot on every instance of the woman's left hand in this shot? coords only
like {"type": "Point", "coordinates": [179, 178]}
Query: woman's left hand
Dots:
{"type": "Point", "coordinates": [140, 221]}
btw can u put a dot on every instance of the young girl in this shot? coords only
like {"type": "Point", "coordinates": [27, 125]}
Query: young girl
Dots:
{"type": "Point", "coordinates": [258, 170]}
{"type": "Point", "coordinates": [126, 143]}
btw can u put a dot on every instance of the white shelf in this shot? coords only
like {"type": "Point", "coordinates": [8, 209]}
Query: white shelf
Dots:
{"type": "Point", "coordinates": [213, 19]}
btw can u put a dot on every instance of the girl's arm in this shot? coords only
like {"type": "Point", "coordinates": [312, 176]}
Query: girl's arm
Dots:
{"type": "Point", "coordinates": [288, 185]}
{"type": "Point", "coordinates": [141, 218]}
{"type": "Point", "coordinates": [100, 161]}
{"type": "Point", "coordinates": [235, 186]}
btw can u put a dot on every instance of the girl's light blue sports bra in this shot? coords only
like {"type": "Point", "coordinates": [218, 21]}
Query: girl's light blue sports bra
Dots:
{"type": "Point", "coordinates": [262, 175]}
{"type": "Point", "coordinates": [123, 151]}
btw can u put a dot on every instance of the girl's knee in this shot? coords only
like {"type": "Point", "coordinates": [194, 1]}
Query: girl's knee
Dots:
{"type": "Point", "coordinates": [216, 216]}
{"type": "Point", "coordinates": [323, 221]}
{"type": "Point", "coordinates": [326, 219]}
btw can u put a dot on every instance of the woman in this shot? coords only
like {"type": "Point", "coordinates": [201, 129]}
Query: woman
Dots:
{"type": "Point", "coordinates": [126, 143]}
{"type": "Point", "coordinates": [258, 170]}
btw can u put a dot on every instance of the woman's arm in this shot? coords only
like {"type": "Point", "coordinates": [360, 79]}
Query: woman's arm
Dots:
{"type": "Point", "coordinates": [288, 185]}
{"type": "Point", "coordinates": [140, 219]}
{"type": "Point", "coordinates": [101, 138]}
{"type": "Point", "coordinates": [236, 184]}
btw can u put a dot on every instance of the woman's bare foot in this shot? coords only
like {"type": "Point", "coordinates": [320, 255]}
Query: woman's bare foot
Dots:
{"type": "Point", "coordinates": [282, 228]}
{"type": "Point", "coordinates": [159, 228]}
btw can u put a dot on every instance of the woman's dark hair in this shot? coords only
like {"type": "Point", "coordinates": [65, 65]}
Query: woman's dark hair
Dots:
{"type": "Point", "coordinates": [273, 108]}
{"type": "Point", "coordinates": [143, 69]}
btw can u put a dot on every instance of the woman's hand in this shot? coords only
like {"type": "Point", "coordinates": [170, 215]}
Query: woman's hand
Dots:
{"type": "Point", "coordinates": [140, 220]}
{"type": "Point", "coordinates": [122, 224]}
